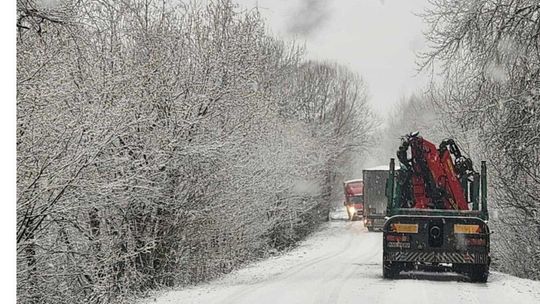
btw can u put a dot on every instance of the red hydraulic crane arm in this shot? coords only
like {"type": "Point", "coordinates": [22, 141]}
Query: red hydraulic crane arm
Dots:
{"type": "Point", "coordinates": [435, 180]}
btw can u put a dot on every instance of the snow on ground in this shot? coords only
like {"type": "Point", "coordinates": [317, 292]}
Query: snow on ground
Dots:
{"type": "Point", "coordinates": [342, 264]}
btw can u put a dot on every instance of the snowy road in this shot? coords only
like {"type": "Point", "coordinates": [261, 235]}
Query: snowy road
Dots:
{"type": "Point", "coordinates": [342, 264]}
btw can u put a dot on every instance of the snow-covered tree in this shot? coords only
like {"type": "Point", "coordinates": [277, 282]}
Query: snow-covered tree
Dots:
{"type": "Point", "coordinates": [162, 144]}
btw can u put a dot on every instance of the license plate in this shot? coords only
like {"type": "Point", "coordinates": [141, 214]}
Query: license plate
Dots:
{"type": "Point", "coordinates": [398, 245]}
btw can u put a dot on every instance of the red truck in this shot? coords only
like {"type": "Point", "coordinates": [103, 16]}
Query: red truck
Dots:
{"type": "Point", "coordinates": [354, 198]}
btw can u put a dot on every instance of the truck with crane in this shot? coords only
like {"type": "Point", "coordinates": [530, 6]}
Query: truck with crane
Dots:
{"type": "Point", "coordinates": [437, 214]}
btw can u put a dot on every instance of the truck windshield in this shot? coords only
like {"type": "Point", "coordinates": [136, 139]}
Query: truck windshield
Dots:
{"type": "Point", "coordinates": [358, 199]}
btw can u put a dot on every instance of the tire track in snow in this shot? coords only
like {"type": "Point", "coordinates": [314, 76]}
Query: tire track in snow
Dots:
{"type": "Point", "coordinates": [344, 277]}
{"type": "Point", "coordinates": [348, 269]}
{"type": "Point", "coordinates": [283, 277]}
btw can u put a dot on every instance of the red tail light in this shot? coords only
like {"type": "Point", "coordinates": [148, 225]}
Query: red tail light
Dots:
{"type": "Point", "coordinates": [475, 242]}
{"type": "Point", "coordinates": [397, 238]}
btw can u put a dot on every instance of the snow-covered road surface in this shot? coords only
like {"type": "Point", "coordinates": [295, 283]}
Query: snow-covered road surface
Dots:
{"type": "Point", "coordinates": [342, 264]}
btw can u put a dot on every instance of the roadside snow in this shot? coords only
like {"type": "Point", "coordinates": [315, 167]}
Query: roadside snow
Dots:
{"type": "Point", "coordinates": [342, 264]}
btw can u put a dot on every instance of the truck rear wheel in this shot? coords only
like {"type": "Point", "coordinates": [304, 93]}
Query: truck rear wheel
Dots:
{"type": "Point", "coordinates": [479, 273]}
{"type": "Point", "coordinates": [390, 270]}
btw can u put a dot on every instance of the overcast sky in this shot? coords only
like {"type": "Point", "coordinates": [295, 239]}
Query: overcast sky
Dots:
{"type": "Point", "coordinates": [376, 38]}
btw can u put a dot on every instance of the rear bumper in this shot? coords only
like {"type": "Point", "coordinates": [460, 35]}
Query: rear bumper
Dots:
{"type": "Point", "coordinates": [436, 239]}
{"type": "Point", "coordinates": [437, 257]}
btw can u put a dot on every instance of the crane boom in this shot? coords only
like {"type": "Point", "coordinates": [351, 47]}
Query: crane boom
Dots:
{"type": "Point", "coordinates": [435, 179]}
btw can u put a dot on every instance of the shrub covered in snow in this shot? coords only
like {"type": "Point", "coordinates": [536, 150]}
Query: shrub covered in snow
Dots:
{"type": "Point", "coordinates": [163, 145]}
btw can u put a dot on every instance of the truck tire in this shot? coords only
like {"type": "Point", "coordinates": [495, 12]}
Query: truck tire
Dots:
{"type": "Point", "coordinates": [390, 270]}
{"type": "Point", "coordinates": [479, 273]}
{"type": "Point", "coordinates": [408, 266]}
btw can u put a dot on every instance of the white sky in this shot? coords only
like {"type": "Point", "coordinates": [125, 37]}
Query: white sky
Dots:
{"type": "Point", "coordinates": [375, 38]}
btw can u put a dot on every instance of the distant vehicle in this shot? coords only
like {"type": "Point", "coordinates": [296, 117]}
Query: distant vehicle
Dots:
{"type": "Point", "coordinates": [354, 198]}
{"type": "Point", "coordinates": [375, 197]}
